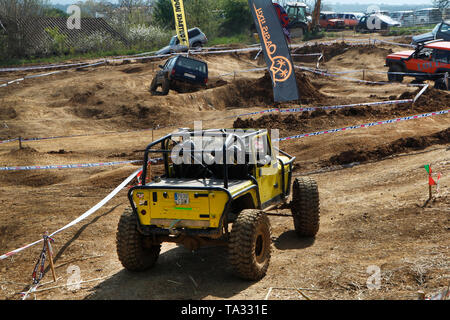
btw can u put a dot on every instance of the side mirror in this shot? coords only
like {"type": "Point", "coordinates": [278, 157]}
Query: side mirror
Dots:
{"type": "Point", "coordinates": [161, 66]}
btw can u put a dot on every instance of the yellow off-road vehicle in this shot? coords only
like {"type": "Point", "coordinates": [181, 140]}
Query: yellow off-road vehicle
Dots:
{"type": "Point", "coordinates": [218, 187]}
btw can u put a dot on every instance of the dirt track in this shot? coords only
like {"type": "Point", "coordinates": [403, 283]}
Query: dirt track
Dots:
{"type": "Point", "coordinates": [371, 213]}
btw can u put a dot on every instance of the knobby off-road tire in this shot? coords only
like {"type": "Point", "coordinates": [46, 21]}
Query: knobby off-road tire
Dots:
{"type": "Point", "coordinates": [165, 86]}
{"type": "Point", "coordinates": [440, 84]}
{"type": "Point", "coordinates": [250, 244]}
{"type": "Point", "coordinates": [154, 86]}
{"type": "Point", "coordinates": [395, 77]}
{"type": "Point", "coordinates": [132, 252]}
{"type": "Point", "coordinates": [305, 207]}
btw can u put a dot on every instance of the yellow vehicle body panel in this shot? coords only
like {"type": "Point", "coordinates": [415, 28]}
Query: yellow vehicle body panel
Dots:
{"type": "Point", "coordinates": [201, 208]}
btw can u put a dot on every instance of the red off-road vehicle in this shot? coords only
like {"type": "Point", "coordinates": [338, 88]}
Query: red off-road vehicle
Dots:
{"type": "Point", "coordinates": [429, 61]}
{"type": "Point", "coordinates": [329, 20]}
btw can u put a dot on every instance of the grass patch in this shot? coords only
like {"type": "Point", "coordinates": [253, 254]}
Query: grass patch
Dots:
{"type": "Point", "coordinates": [240, 38]}
{"type": "Point", "coordinates": [315, 35]}
{"type": "Point", "coordinates": [403, 31]}
{"type": "Point", "coordinates": [64, 58]}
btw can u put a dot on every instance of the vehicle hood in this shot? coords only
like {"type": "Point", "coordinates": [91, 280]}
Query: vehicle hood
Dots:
{"type": "Point", "coordinates": [422, 37]}
{"type": "Point", "coordinates": [400, 55]}
{"type": "Point", "coordinates": [164, 50]}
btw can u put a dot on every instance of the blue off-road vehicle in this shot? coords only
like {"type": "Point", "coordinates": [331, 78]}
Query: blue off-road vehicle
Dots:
{"type": "Point", "coordinates": [180, 73]}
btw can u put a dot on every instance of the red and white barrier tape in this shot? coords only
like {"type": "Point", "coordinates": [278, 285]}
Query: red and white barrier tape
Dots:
{"type": "Point", "coordinates": [301, 109]}
{"type": "Point", "coordinates": [67, 166]}
{"type": "Point", "coordinates": [366, 125]}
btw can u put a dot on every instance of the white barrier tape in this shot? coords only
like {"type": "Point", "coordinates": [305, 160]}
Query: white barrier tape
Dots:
{"type": "Point", "coordinates": [300, 109]}
{"type": "Point", "coordinates": [326, 73]}
{"type": "Point", "coordinates": [366, 125]}
{"type": "Point", "coordinates": [50, 73]}
{"type": "Point", "coordinates": [80, 218]}
{"type": "Point", "coordinates": [67, 166]}
{"type": "Point", "coordinates": [83, 135]}
{"type": "Point", "coordinates": [395, 43]}
{"type": "Point", "coordinates": [242, 71]}
{"type": "Point", "coordinates": [420, 93]}
{"type": "Point", "coordinates": [349, 105]}
{"type": "Point", "coordinates": [253, 113]}
{"type": "Point", "coordinates": [50, 66]}
{"type": "Point", "coordinates": [10, 140]}
{"type": "Point", "coordinates": [305, 54]}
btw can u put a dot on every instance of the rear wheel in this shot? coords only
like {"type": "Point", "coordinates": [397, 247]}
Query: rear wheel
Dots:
{"type": "Point", "coordinates": [305, 207]}
{"type": "Point", "coordinates": [249, 244]}
{"type": "Point", "coordinates": [395, 77]}
{"type": "Point", "coordinates": [134, 253]}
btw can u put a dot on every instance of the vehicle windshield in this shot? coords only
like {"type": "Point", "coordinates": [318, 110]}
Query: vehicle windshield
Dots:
{"type": "Point", "coordinates": [445, 28]}
{"type": "Point", "coordinates": [214, 142]}
{"type": "Point", "coordinates": [173, 41]}
{"type": "Point", "coordinates": [192, 64]}
{"type": "Point", "coordinates": [435, 29]}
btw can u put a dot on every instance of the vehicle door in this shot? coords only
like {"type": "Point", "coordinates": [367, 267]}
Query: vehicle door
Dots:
{"type": "Point", "coordinates": [441, 58]}
{"type": "Point", "coordinates": [420, 61]}
{"type": "Point", "coordinates": [267, 169]}
{"type": "Point", "coordinates": [362, 22]}
{"type": "Point", "coordinates": [193, 34]}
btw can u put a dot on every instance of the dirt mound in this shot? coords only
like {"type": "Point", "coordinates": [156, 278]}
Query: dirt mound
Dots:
{"type": "Point", "coordinates": [398, 146]}
{"type": "Point", "coordinates": [133, 70]}
{"type": "Point", "coordinates": [259, 92]}
{"type": "Point", "coordinates": [328, 51]}
{"type": "Point", "coordinates": [429, 99]}
{"type": "Point", "coordinates": [134, 114]}
{"type": "Point", "coordinates": [25, 151]}
{"type": "Point", "coordinates": [37, 178]}
{"type": "Point", "coordinates": [7, 113]}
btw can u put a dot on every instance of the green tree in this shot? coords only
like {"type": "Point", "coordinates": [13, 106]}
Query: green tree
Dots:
{"type": "Point", "coordinates": [202, 14]}
{"type": "Point", "coordinates": [12, 12]}
{"type": "Point", "coordinates": [237, 17]}
{"type": "Point", "coordinates": [163, 14]}
{"type": "Point", "coordinates": [441, 4]}
{"type": "Point", "coordinates": [55, 13]}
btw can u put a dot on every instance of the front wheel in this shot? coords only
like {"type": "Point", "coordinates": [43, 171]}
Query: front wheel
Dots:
{"type": "Point", "coordinates": [250, 244]}
{"type": "Point", "coordinates": [134, 252]}
{"type": "Point", "coordinates": [154, 85]}
{"type": "Point", "coordinates": [395, 77]}
{"type": "Point", "coordinates": [305, 206]}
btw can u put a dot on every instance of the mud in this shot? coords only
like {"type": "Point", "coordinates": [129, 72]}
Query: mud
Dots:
{"type": "Point", "coordinates": [401, 145]}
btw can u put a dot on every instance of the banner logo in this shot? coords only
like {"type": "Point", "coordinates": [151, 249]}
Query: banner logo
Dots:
{"type": "Point", "coordinates": [180, 22]}
{"type": "Point", "coordinates": [281, 67]}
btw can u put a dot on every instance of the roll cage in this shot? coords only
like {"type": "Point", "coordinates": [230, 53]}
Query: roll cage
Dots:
{"type": "Point", "coordinates": [226, 154]}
